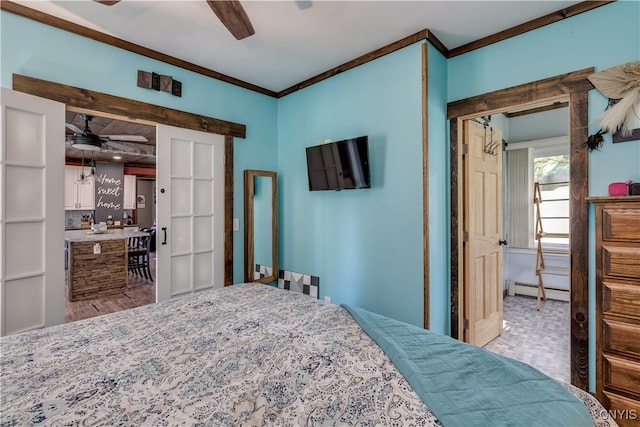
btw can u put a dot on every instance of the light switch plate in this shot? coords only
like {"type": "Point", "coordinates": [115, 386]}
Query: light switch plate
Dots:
{"type": "Point", "coordinates": [96, 248]}
{"type": "Point", "coordinates": [236, 224]}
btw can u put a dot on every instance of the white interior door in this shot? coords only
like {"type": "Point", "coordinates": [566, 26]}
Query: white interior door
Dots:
{"type": "Point", "coordinates": [31, 213]}
{"type": "Point", "coordinates": [190, 203]}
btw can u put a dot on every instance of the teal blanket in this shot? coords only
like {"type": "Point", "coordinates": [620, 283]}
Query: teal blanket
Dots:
{"type": "Point", "coordinates": [465, 385]}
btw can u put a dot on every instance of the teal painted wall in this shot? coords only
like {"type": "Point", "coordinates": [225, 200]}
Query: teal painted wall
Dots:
{"type": "Point", "coordinates": [601, 38]}
{"type": "Point", "coordinates": [439, 194]}
{"type": "Point", "coordinates": [36, 50]}
{"type": "Point", "coordinates": [365, 245]}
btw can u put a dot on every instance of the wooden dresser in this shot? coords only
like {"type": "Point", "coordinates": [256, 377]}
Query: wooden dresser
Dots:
{"type": "Point", "coordinates": [618, 306]}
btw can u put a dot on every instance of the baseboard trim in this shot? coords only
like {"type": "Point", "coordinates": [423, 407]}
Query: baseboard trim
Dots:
{"type": "Point", "coordinates": [514, 288]}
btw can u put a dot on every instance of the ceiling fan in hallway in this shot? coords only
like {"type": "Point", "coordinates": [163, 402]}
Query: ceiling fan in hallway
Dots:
{"type": "Point", "coordinates": [230, 12]}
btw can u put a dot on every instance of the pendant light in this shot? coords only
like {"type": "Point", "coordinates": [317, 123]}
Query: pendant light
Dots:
{"type": "Point", "coordinates": [83, 179]}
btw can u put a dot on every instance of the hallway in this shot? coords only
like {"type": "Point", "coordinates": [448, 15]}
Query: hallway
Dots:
{"type": "Point", "coordinates": [539, 338]}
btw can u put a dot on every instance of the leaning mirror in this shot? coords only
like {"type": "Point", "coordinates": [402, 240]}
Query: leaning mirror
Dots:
{"type": "Point", "coordinates": [260, 226]}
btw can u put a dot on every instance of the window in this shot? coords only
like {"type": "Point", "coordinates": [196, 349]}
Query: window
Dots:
{"type": "Point", "coordinates": [552, 174]}
{"type": "Point", "coordinates": [547, 162]}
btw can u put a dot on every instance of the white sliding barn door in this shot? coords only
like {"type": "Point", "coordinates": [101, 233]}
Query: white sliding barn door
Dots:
{"type": "Point", "coordinates": [31, 213]}
{"type": "Point", "coordinates": [190, 211]}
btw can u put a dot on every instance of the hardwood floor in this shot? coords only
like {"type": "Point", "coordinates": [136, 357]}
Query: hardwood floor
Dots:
{"type": "Point", "coordinates": [139, 292]}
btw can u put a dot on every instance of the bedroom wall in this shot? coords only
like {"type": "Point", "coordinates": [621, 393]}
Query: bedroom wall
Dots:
{"type": "Point", "coordinates": [603, 37]}
{"type": "Point", "coordinates": [44, 52]}
{"type": "Point", "coordinates": [365, 245]}
{"type": "Point", "coordinates": [439, 194]}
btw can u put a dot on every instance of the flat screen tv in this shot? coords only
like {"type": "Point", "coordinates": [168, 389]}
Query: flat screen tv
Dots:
{"type": "Point", "coordinates": [340, 165]}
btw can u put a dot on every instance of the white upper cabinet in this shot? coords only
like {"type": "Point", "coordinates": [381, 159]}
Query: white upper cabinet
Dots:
{"type": "Point", "coordinates": [78, 195]}
{"type": "Point", "coordinates": [129, 192]}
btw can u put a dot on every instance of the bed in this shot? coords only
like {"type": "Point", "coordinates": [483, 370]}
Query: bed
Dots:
{"type": "Point", "coordinates": [248, 354]}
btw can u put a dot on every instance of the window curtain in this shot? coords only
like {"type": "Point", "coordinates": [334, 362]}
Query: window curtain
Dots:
{"type": "Point", "coordinates": [520, 197]}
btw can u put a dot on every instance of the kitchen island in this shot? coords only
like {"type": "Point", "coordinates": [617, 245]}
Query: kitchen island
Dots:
{"type": "Point", "coordinates": [97, 262]}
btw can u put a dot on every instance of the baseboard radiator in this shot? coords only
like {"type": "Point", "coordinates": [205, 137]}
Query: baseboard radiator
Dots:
{"type": "Point", "coordinates": [517, 288]}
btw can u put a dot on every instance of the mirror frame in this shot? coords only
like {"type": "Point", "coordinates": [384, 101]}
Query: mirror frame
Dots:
{"type": "Point", "coordinates": [249, 191]}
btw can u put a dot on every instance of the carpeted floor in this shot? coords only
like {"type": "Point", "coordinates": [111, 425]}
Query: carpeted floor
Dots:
{"type": "Point", "coordinates": [539, 338]}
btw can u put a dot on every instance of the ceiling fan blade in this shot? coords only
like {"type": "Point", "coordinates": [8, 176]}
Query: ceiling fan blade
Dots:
{"type": "Point", "coordinates": [128, 148]}
{"type": "Point", "coordinates": [72, 127]}
{"type": "Point", "coordinates": [130, 138]}
{"type": "Point", "coordinates": [107, 2]}
{"type": "Point", "coordinates": [233, 16]}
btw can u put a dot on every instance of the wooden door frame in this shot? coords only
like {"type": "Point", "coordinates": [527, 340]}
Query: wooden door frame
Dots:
{"type": "Point", "coordinates": [573, 87]}
{"type": "Point", "coordinates": [101, 104]}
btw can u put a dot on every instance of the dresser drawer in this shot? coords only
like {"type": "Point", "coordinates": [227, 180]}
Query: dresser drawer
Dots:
{"type": "Point", "coordinates": [622, 374]}
{"type": "Point", "coordinates": [621, 224]}
{"type": "Point", "coordinates": [621, 298]}
{"type": "Point", "coordinates": [622, 337]}
{"type": "Point", "coordinates": [625, 411]}
{"type": "Point", "coordinates": [621, 261]}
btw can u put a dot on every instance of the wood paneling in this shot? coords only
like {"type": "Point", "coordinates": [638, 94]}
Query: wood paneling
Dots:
{"type": "Point", "coordinates": [620, 337]}
{"type": "Point", "coordinates": [128, 109]}
{"type": "Point", "coordinates": [622, 374]}
{"type": "Point", "coordinates": [525, 94]}
{"type": "Point", "coordinates": [456, 244]}
{"type": "Point", "coordinates": [228, 211]}
{"type": "Point", "coordinates": [625, 411]}
{"type": "Point", "coordinates": [621, 298]}
{"type": "Point", "coordinates": [93, 275]}
{"type": "Point", "coordinates": [579, 225]}
{"type": "Point", "coordinates": [618, 305]}
{"type": "Point", "coordinates": [574, 87]}
{"type": "Point", "coordinates": [621, 225]}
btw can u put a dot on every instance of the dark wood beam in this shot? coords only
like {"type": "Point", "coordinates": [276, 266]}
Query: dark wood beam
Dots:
{"type": "Point", "coordinates": [559, 15]}
{"type": "Point", "coordinates": [124, 108]}
{"type": "Point", "coordinates": [554, 106]}
{"type": "Point", "coordinates": [522, 94]}
{"type": "Point", "coordinates": [579, 230]}
{"type": "Point", "coordinates": [228, 211]}
{"type": "Point", "coordinates": [71, 27]}
{"type": "Point", "coordinates": [425, 185]}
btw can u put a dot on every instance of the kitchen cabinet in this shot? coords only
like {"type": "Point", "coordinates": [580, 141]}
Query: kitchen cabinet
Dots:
{"type": "Point", "coordinates": [78, 195]}
{"type": "Point", "coordinates": [129, 192]}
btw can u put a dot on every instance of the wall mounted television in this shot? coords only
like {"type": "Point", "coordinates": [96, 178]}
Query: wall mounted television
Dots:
{"type": "Point", "coordinates": [340, 165]}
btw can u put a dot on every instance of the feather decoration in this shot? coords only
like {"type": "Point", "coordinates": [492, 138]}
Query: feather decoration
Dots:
{"type": "Point", "coordinates": [622, 117]}
{"type": "Point", "coordinates": [620, 82]}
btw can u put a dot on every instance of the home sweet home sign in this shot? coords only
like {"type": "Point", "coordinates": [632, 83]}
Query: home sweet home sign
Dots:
{"type": "Point", "coordinates": [109, 191]}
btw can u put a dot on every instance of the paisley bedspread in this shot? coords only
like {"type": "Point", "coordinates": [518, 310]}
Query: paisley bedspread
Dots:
{"type": "Point", "coordinates": [244, 355]}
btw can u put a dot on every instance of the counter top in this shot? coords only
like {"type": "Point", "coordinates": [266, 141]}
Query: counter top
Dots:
{"type": "Point", "coordinates": [87, 235]}
{"type": "Point", "coordinates": [109, 227]}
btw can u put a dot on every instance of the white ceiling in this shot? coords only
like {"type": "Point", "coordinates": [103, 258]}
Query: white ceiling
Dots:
{"type": "Point", "coordinates": [294, 40]}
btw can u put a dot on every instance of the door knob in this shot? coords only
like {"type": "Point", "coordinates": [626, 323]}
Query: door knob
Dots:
{"type": "Point", "coordinates": [502, 242]}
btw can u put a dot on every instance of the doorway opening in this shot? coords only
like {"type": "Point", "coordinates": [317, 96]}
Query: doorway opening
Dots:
{"type": "Point", "coordinates": [536, 282]}
{"type": "Point", "coordinates": [572, 88]}
{"type": "Point", "coordinates": [128, 155]}
{"type": "Point", "coordinates": [96, 103]}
